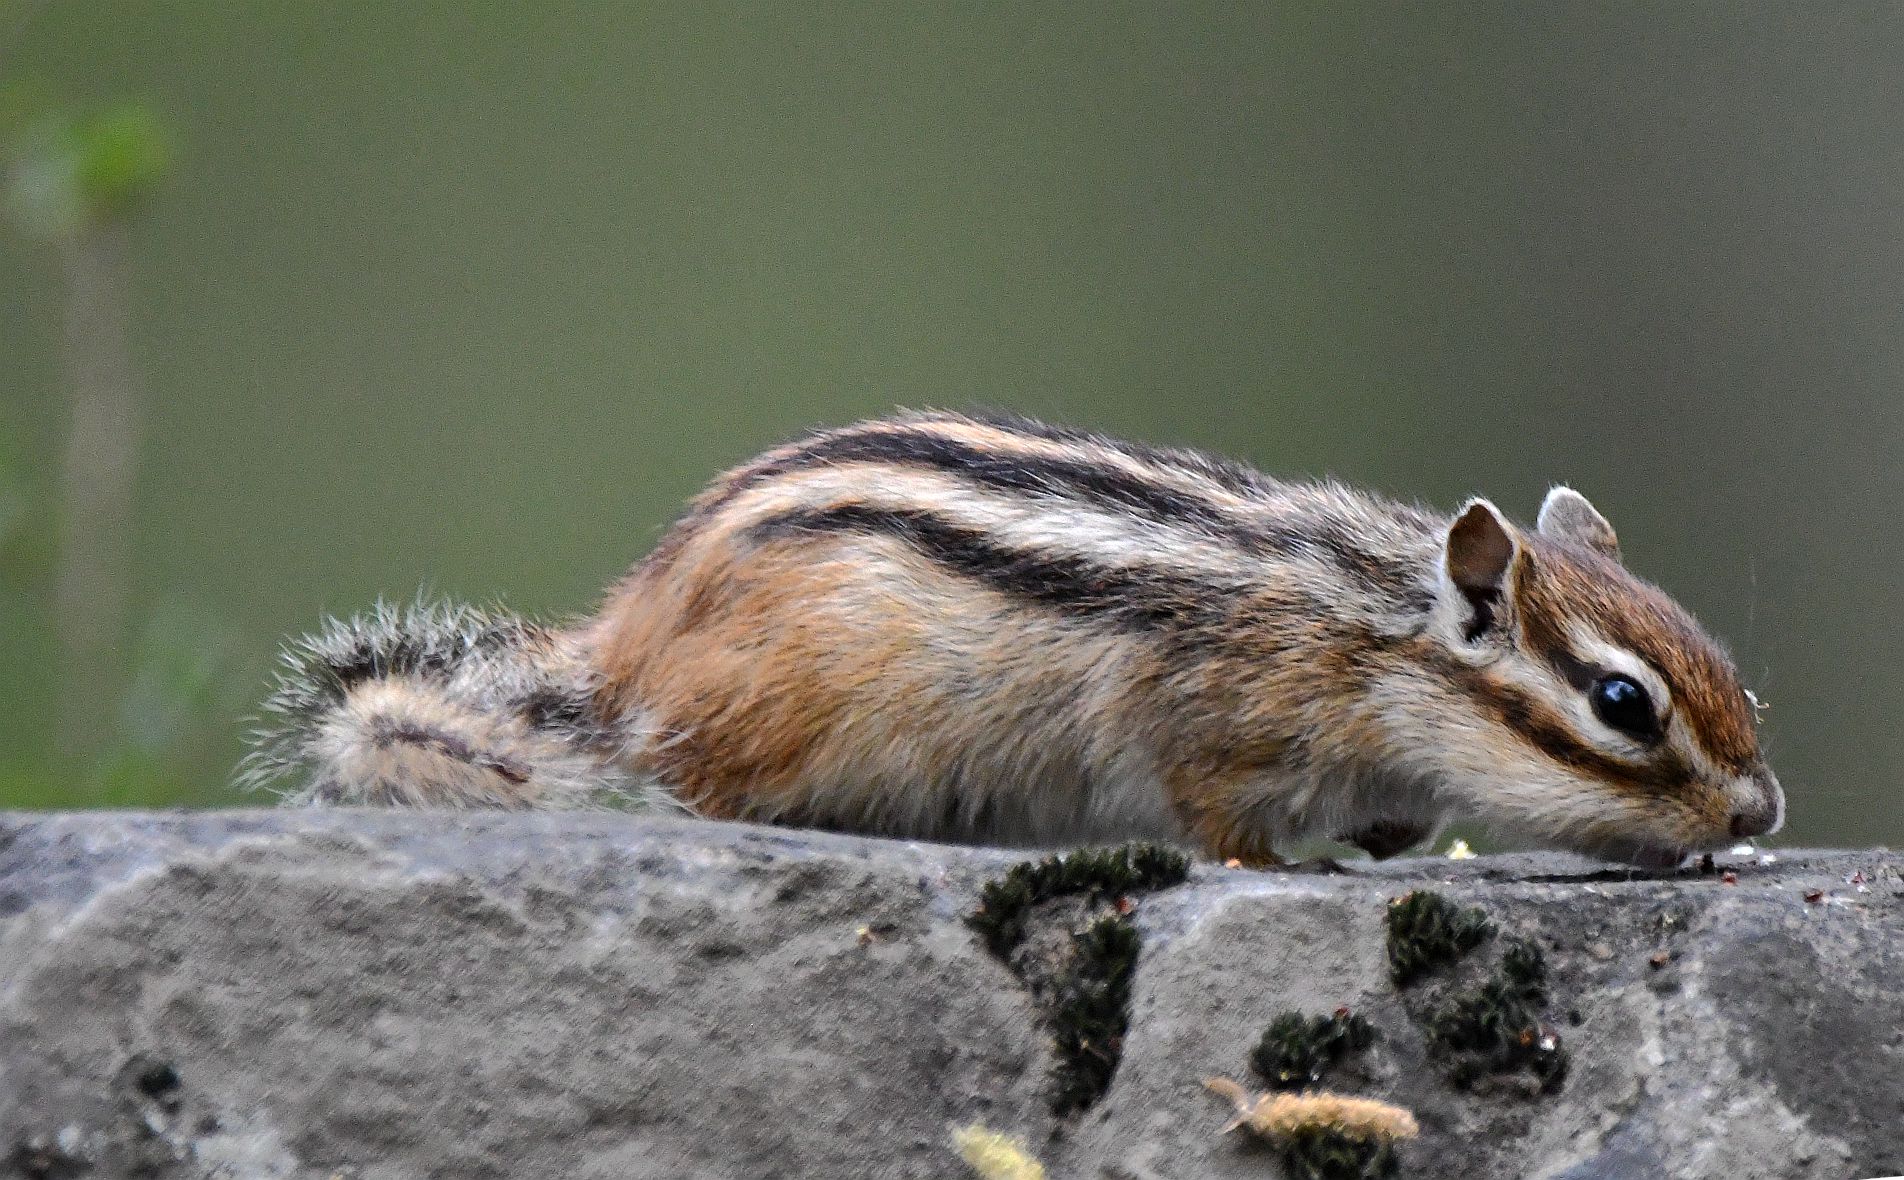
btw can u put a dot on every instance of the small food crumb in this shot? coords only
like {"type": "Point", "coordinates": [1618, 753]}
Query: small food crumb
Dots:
{"type": "Point", "coordinates": [1459, 850]}
{"type": "Point", "coordinates": [1233, 863]}
{"type": "Point", "coordinates": [994, 1156]}
{"type": "Point", "coordinates": [1125, 905]}
{"type": "Point", "coordinates": [1742, 850]}
{"type": "Point", "coordinates": [1660, 959]}
{"type": "Point", "coordinates": [1768, 859]}
{"type": "Point", "coordinates": [1814, 896]}
{"type": "Point", "coordinates": [1730, 878]}
{"type": "Point", "coordinates": [865, 935]}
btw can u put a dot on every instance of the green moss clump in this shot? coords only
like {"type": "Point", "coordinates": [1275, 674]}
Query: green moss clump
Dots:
{"type": "Point", "coordinates": [1498, 1028]}
{"type": "Point", "coordinates": [1296, 1049]}
{"type": "Point", "coordinates": [1524, 967]}
{"type": "Point", "coordinates": [1093, 1012]}
{"type": "Point", "coordinates": [1427, 931]}
{"type": "Point", "coordinates": [1088, 1006]}
{"type": "Point", "coordinates": [1331, 1155]}
{"type": "Point", "coordinates": [1005, 904]}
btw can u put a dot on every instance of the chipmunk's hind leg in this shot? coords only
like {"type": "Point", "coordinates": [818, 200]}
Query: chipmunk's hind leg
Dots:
{"type": "Point", "coordinates": [438, 705]}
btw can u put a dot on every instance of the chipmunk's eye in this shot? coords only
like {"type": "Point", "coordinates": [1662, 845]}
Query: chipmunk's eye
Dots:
{"type": "Point", "coordinates": [1621, 703]}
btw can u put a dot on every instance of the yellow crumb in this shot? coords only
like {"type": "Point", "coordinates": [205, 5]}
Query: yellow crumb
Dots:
{"type": "Point", "coordinates": [1459, 850]}
{"type": "Point", "coordinates": [994, 1156]}
{"type": "Point", "coordinates": [1279, 1116]}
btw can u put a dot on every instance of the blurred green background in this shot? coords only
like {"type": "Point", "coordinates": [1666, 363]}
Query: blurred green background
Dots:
{"type": "Point", "coordinates": [470, 297]}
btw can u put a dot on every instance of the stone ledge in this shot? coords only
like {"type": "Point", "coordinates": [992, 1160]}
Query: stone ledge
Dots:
{"type": "Point", "coordinates": [320, 993]}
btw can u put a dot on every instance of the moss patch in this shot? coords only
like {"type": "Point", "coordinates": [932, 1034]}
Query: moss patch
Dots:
{"type": "Point", "coordinates": [1005, 904]}
{"type": "Point", "coordinates": [1093, 1012]}
{"type": "Point", "coordinates": [1498, 1028]}
{"type": "Point", "coordinates": [1297, 1050]}
{"type": "Point", "coordinates": [1426, 931]}
{"type": "Point", "coordinates": [1085, 991]}
{"type": "Point", "coordinates": [1332, 1155]}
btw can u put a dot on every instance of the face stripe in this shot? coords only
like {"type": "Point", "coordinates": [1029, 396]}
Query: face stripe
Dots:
{"type": "Point", "coordinates": [1558, 656]}
{"type": "Point", "coordinates": [1548, 731]}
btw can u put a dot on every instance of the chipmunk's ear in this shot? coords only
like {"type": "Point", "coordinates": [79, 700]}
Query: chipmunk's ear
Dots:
{"type": "Point", "coordinates": [1478, 558]}
{"type": "Point", "coordinates": [1566, 515]}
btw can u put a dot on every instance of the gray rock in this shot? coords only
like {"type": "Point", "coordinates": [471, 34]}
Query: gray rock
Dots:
{"type": "Point", "coordinates": [332, 993]}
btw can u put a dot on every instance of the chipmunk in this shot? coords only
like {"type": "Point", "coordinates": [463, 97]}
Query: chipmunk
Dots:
{"type": "Point", "coordinates": [993, 630]}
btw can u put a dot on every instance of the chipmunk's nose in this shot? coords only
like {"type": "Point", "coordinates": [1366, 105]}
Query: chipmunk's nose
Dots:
{"type": "Point", "coordinates": [1763, 809]}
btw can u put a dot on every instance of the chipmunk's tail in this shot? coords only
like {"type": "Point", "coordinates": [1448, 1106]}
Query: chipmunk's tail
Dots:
{"type": "Point", "coordinates": [439, 705]}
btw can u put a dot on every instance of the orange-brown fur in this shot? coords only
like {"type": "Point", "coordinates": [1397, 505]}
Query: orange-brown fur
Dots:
{"type": "Point", "coordinates": [946, 627]}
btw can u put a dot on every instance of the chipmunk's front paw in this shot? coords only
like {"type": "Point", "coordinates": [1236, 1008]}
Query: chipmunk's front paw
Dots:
{"type": "Point", "coordinates": [1383, 840]}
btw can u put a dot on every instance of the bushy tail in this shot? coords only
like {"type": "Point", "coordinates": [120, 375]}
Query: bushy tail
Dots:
{"type": "Point", "coordinates": [439, 705]}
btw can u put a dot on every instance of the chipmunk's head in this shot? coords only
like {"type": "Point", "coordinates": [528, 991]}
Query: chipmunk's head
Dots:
{"type": "Point", "coordinates": [1595, 712]}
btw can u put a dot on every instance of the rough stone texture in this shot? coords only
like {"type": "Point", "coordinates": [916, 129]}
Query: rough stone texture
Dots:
{"type": "Point", "coordinates": [316, 994]}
